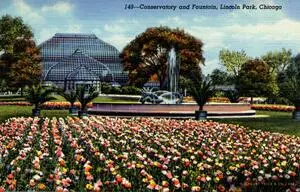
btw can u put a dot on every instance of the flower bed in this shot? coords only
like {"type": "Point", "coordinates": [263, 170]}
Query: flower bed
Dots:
{"type": "Point", "coordinates": [189, 99]}
{"type": "Point", "coordinates": [47, 105]}
{"type": "Point", "coordinates": [219, 100]}
{"type": "Point", "coordinates": [284, 108]}
{"type": "Point", "coordinates": [143, 154]}
{"type": "Point", "coordinates": [18, 103]}
{"type": "Point", "coordinates": [61, 105]}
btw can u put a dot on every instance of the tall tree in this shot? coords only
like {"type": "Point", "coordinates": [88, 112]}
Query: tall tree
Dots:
{"type": "Point", "coordinates": [147, 54]}
{"type": "Point", "coordinates": [20, 61]}
{"type": "Point", "coordinates": [26, 68]}
{"type": "Point", "coordinates": [278, 60]}
{"type": "Point", "coordinates": [233, 60]}
{"type": "Point", "coordinates": [12, 29]}
{"type": "Point", "coordinates": [290, 86]}
{"type": "Point", "coordinates": [22, 67]}
{"type": "Point", "coordinates": [219, 77]}
{"type": "Point", "coordinates": [255, 80]}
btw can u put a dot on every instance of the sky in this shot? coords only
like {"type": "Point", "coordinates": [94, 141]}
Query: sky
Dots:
{"type": "Point", "coordinates": [255, 31]}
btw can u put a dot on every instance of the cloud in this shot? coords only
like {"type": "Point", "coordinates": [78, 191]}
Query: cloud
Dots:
{"type": "Point", "coordinates": [210, 65]}
{"type": "Point", "coordinates": [74, 28]}
{"type": "Point", "coordinates": [97, 31]}
{"type": "Point", "coordinates": [59, 7]}
{"type": "Point", "coordinates": [26, 11]}
{"type": "Point", "coordinates": [211, 37]}
{"type": "Point", "coordinates": [199, 19]}
{"type": "Point", "coordinates": [211, 62]}
{"type": "Point", "coordinates": [121, 26]}
{"type": "Point", "coordinates": [45, 34]}
{"type": "Point", "coordinates": [114, 28]}
{"type": "Point", "coordinates": [174, 21]}
{"type": "Point", "coordinates": [217, 37]}
{"type": "Point", "coordinates": [282, 30]}
{"type": "Point", "coordinates": [119, 41]}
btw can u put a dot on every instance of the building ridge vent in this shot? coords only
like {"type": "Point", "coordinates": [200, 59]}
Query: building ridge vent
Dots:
{"type": "Point", "coordinates": [75, 35]}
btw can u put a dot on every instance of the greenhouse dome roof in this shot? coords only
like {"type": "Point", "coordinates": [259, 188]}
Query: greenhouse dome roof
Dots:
{"type": "Point", "coordinates": [78, 67]}
{"type": "Point", "coordinates": [59, 58]}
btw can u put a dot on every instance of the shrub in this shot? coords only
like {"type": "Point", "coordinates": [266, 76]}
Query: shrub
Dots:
{"type": "Point", "coordinates": [106, 88]}
{"type": "Point", "coordinates": [131, 90]}
{"type": "Point", "coordinates": [232, 95]}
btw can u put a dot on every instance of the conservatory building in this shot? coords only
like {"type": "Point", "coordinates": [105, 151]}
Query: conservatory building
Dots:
{"type": "Point", "coordinates": [70, 60]}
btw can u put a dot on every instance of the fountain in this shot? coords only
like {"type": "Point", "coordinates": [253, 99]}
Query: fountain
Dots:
{"type": "Point", "coordinates": [171, 96]}
{"type": "Point", "coordinates": [151, 100]}
{"type": "Point", "coordinates": [160, 97]}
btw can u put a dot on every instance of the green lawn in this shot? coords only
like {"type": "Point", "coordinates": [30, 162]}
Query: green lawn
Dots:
{"type": "Point", "coordinates": [104, 99]}
{"type": "Point", "coordinates": [277, 122]}
{"type": "Point", "coordinates": [25, 111]}
{"type": "Point", "coordinates": [281, 122]}
{"type": "Point", "coordinates": [15, 98]}
{"type": "Point", "coordinates": [100, 99]}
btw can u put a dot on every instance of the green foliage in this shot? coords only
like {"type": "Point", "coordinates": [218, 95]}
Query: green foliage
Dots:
{"type": "Point", "coordinates": [255, 80]}
{"type": "Point", "coordinates": [130, 90]}
{"type": "Point", "coordinates": [147, 54]}
{"type": "Point", "coordinates": [232, 95]}
{"type": "Point", "coordinates": [22, 67]}
{"type": "Point", "coordinates": [38, 95]}
{"type": "Point", "coordinates": [201, 89]}
{"type": "Point", "coordinates": [107, 88]}
{"type": "Point", "coordinates": [290, 83]}
{"type": "Point", "coordinates": [278, 60]}
{"type": "Point", "coordinates": [279, 100]}
{"type": "Point", "coordinates": [233, 60]}
{"type": "Point", "coordinates": [20, 62]}
{"type": "Point", "coordinates": [11, 30]}
{"type": "Point", "coordinates": [219, 77]}
{"type": "Point", "coordinates": [219, 93]}
{"type": "Point", "coordinates": [85, 96]}
{"type": "Point", "coordinates": [69, 96]}
{"type": "Point", "coordinates": [116, 90]}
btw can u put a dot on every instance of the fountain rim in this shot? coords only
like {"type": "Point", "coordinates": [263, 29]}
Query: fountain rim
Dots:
{"type": "Point", "coordinates": [148, 104]}
{"type": "Point", "coordinates": [170, 110]}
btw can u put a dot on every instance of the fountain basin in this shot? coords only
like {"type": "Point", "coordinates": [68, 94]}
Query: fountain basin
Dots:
{"type": "Point", "coordinates": [170, 110]}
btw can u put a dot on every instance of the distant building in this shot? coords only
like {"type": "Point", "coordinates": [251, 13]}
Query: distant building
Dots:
{"type": "Point", "coordinates": [72, 59]}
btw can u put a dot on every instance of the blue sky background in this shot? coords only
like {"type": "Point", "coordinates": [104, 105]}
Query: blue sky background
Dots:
{"type": "Point", "coordinates": [257, 32]}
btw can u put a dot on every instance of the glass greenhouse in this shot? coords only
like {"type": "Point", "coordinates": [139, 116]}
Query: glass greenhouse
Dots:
{"type": "Point", "coordinates": [73, 59]}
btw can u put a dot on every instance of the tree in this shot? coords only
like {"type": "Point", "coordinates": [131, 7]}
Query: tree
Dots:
{"type": "Point", "coordinates": [254, 80]}
{"type": "Point", "coordinates": [147, 54]}
{"type": "Point", "coordinates": [278, 60]}
{"type": "Point", "coordinates": [11, 30]}
{"type": "Point", "coordinates": [233, 60]}
{"type": "Point", "coordinates": [200, 88]}
{"type": "Point", "coordinates": [84, 97]}
{"type": "Point", "coordinates": [27, 69]}
{"type": "Point", "coordinates": [22, 67]}
{"type": "Point", "coordinates": [71, 97]}
{"type": "Point", "coordinates": [290, 86]}
{"type": "Point", "coordinates": [232, 95]}
{"type": "Point", "coordinates": [38, 95]}
{"type": "Point", "coordinates": [219, 77]}
{"type": "Point", "coordinates": [20, 61]}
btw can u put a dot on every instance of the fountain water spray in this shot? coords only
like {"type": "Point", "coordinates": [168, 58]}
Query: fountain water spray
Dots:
{"type": "Point", "coordinates": [173, 74]}
{"type": "Point", "coordinates": [171, 96]}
